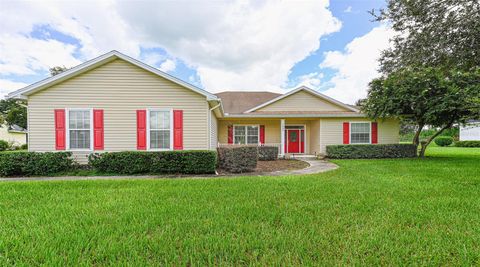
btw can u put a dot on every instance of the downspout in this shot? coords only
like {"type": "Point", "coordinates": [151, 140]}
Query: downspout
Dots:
{"type": "Point", "coordinates": [209, 120]}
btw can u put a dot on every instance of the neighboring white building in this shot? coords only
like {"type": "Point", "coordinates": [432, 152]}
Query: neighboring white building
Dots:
{"type": "Point", "coordinates": [470, 132]}
{"type": "Point", "coordinates": [13, 134]}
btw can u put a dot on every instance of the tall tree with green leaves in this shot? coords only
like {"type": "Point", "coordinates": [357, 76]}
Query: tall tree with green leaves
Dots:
{"type": "Point", "coordinates": [431, 33]}
{"type": "Point", "coordinates": [425, 96]}
{"type": "Point", "coordinates": [13, 111]}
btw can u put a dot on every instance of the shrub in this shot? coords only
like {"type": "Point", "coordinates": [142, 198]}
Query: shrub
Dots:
{"type": "Point", "coordinates": [267, 153]}
{"type": "Point", "coordinates": [443, 141]}
{"type": "Point", "coordinates": [467, 143]}
{"type": "Point", "coordinates": [238, 159]}
{"type": "Point", "coordinates": [24, 147]}
{"type": "Point", "coordinates": [4, 145]}
{"type": "Point", "coordinates": [35, 163]}
{"type": "Point", "coordinates": [371, 151]}
{"type": "Point", "coordinates": [163, 162]}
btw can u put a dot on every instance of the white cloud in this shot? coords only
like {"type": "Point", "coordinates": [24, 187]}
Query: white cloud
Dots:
{"type": "Point", "coordinates": [239, 45]}
{"type": "Point", "coordinates": [23, 55]}
{"type": "Point", "coordinates": [233, 45]}
{"type": "Point", "coordinates": [348, 9]}
{"type": "Point", "coordinates": [168, 65]}
{"type": "Point", "coordinates": [357, 65]}
{"type": "Point", "coordinates": [7, 86]}
{"type": "Point", "coordinates": [311, 80]}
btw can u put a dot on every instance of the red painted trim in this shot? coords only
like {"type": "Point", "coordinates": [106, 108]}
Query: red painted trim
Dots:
{"type": "Point", "coordinates": [141, 129]}
{"type": "Point", "coordinates": [262, 134]}
{"type": "Point", "coordinates": [346, 133]}
{"type": "Point", "coordinates": [178, 129]}
{"type": "Point", "coordinates": [98, 132]}
{"type": "Point", "coordinates": [230, 134]}
{"type": "Point", "coordinates": [60, 130]}
{"type": "Point", "coordinates": [374, 133]}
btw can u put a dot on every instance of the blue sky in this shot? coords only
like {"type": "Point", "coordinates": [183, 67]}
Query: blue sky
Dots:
{"type": "Point", "coordinates": [235, 45]}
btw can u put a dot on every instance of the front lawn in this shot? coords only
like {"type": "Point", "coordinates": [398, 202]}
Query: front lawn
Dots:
{"type": "Point", "coordinates": [367, 212]}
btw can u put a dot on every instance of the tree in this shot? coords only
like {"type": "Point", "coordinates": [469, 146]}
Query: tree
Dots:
{"type": "Point", "coordinates": [425, 96]}
{"type": "Point", "coordinates": [13, 111]}
{"type": "Point", "coordinates": [431, 33]}
{"type": "Point", "coordinates": [57, 70]}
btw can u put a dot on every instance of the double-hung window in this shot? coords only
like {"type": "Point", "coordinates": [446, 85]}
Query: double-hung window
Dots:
{"type": "Point", "coordinates": [246, 134]}
{"type": "Point", "coordinates": [160, 129]}
{"type": "Point", "coordinates": [79, 129]}
{"type": "Point", "coordinates": [360, 133]}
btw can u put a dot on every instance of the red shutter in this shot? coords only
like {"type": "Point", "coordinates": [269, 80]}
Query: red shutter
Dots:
{"type": "Point", "coordinates": [141, 129]}
{"type": "Point", "coordinates": [60, 129]}
{"type": "Point", "coordinates": [178, 129]}
{"type": "Point", "coordinates": [98, 129]}
{"type": "Point", "coordinates": [230, 134]}
{"type": "Point", "coordinates": [346, 133]}
{"type": "Point", "coordinates": [374, 133]}
{"type": "Point", "coordinates": [262, 134]}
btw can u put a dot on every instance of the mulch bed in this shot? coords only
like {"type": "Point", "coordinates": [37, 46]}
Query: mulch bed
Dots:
{"type": "Point", "coordinates": [274, 165]}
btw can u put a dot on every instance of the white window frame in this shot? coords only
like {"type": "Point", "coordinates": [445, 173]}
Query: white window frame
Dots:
{"type": "Point", "coordinates": [350, 132]}
{"type": "Point", "coordinates": [148, 129]}
{"type": "Point", "coordinates": [67, 127]}
{"type": "Point", "coordinates": [246, 133]}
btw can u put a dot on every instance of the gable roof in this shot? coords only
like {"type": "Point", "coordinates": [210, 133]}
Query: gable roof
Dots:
{"type": "Point", "coordinates": [308, 90]}
{"type": "Point", "coordinates": [239, 102]}
{"type": "Point", "coordinates": [96, 62]}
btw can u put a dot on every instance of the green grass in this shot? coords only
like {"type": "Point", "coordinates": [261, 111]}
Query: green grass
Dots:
{"type": "Point", "coordinates": [367, 212]}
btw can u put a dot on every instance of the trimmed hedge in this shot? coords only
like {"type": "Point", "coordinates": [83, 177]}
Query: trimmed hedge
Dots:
{"type": "Point", "coordinates": [162, 162]}
{"type": "Point", "coordinates": [267, 153]}
{"type": "Point", "coordinates": [35, 163]}
{"type": "Point", "coordinates": [467, 143]}
{"type": "Point", "coordinates": [4, 145]}
{"type": "Point", "coordinates": [238, 159]}
{"type": "Point", "coordinates": [443, 140]}
{"type": "Point", "coordinates": [371, 151]}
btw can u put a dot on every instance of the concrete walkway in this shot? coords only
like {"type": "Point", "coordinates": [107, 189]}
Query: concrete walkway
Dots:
{"type": "Point", "coordinates": [316, 166]}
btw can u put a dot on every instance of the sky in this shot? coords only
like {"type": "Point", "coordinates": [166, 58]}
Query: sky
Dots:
{"type": "Point", "coordinates": [235, 45]}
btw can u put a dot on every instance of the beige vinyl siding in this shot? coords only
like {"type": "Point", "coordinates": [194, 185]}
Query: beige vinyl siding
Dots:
{"type": "Point", "coordinates": [302, 101]}
{"type": "Point", "coordinates": [213, 131]}
{"type": "Point", "coordinates": [331, 131]}
{"type": "Point", "coordinates": [315, 137]}
{"type": "Point", "coordinates": [119, 88]}
{"type": "Point", "coordinates": [272, 129]}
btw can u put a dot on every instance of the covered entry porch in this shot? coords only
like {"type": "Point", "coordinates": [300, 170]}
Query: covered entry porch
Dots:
{"type": "Point", "coordinates": [291, 136]}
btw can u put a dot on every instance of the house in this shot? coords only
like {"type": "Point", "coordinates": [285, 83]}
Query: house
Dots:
{"type": "Point", "coordinates": [470, 131]}
{"type": "Point", "coordinates": [13, 134]}
{"type": "Point", "coordinates": [117, 103]}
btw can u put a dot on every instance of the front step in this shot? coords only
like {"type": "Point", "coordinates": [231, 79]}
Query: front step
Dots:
{"type": "Point", "coordinates": [300, 156]}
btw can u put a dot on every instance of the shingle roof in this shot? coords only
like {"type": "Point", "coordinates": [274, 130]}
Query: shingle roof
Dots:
{"type": "Point", "coordinates": [239, 102]}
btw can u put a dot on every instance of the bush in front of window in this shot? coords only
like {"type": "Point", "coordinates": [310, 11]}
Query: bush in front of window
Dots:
{"type": "Point", "coordinates": [161, 162]}
{"type": "Point", "coordinates": [35, 163]}
{"type": "Point", "coordinates": [371, 151]}
{"type": "Point", "coordinates": [238, 159]}
{"type": "Point", "coordinates": [443, 140]}
{"type": "Point", "coordinates": [4, 145]}
{"type": "Point", "coordinates": [267, 153]}
{"type": "Point", "coordinates": [467, 143]}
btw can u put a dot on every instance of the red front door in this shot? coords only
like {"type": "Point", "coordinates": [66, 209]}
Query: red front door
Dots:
{"type": "Point", "coordinates": [293, 141]}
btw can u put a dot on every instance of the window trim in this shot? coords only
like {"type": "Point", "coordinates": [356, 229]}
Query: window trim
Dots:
{"type": "Point", "coordinates": [350, 133]}
{"type": "Point", "coordinates": [67, 126]}
{"type": "Point", "coordinates": [148, 129]}
{"type": "Point", "coordinates": [246, 133]}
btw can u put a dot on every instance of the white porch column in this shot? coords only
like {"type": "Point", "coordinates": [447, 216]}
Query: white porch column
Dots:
{"type": "Point", "coordinates": [282, 137]}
